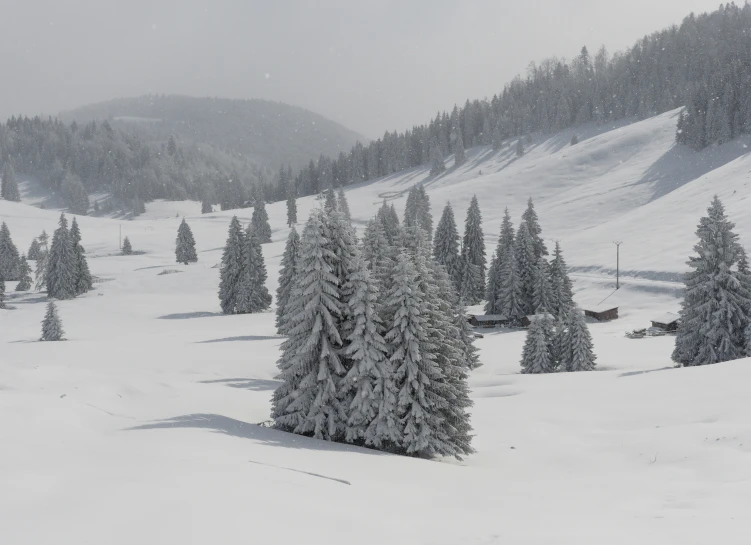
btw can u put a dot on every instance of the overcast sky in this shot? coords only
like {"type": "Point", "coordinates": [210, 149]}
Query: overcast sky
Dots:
{"type": "Point", "coordinates": [370, 65]}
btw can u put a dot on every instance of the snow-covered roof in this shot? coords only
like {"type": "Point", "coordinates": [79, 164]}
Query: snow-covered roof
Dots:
{"type": "Point", "coordinates": [667, 318]}
{"type": "Point", "coordinates": [535, 317]}
{"type": "Point", "coordinates": [489, 317]}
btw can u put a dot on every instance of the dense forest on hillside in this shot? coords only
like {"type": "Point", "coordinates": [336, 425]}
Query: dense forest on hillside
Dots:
{"type": "Point", "coordinates": [703, 64]}
{"type": "Point", "coordinates": [71, 160]}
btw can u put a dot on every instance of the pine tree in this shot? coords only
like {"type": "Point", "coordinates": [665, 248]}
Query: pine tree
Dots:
{"type": "Point", "coordinates": [560, 283]}
{"type": "Point", "coordinates": [474, 247]}
{"type": "Point", "coordinates": [232, 268]}
{"type": "Point", "coordinates": [206, 207]}
{"type": "Point", "coordinates": [576, 353]}
{"type": "Point", "coordinates": [24, 284]}
{"type": "Point", "coordinates": [368, 390]}
{"type": "Point", "coordinates": [291, 209]}
{"type": "Point", "coordinates": [127, 248]}
{"type": "Point", "coordinates": [511, 301]}
{"type": "Point", "coordinates": [9, 187]}
{"type": "Point", "coordinates": [35, 250]}
{"type": "Point", "coordinates": [9, 256]}
{"type": "Point", "coordinates": [52, 326]}
{"type": "Point", "coordinates": [536, 356]}
{"type": "Point", "coordinates": [714, 309]}
{"type": "Point", "coordinates": [446, 246]}
{"type": "Point", "coordinates": [61, 264]}
{"type": "Point", "coordinates": [307, 401]}
{"type": "Point", "coordinates": [436, 158]}
{"type": "Point", "coordinates": [535, 232]}
{"type": "Point", "coordinates": [343, 204]}
{"type": "Point", "coordinates": [185, 245]}
{"type": "Point", "coordinates": [253, 294]}
{"type": "Point", "coordinates": [542, 294]}
{"type": "Point", "coordinates": [287, 273]}
{"type": "Point", "coordinates": [459, 156]}
{"type": "Point", "coordinates": [84, 282]}
{"type": "Point", "coordinates": [504, 248]}
{"type": "Point", "coordinates": [259, 222]}
{"type": "Point", "coordinates": [526, 263]}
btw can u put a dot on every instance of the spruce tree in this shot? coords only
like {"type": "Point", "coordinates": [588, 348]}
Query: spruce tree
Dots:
{"type": "Point", "coordinates": [424, 217]}
{"type": "Point", "coordinates": [436, 158]}
{"type": "Point", "coordinates": [714, 310]}
{"type": "Point", "coordinates": [52, 326]}
{"type": "Point", "coordinates": [446, 246]}
{"type": "Point", "coordinates": [377, 253]}
{"type": "Point", "coordinates": [2, 293]}
{"type": "Point", "coordinates": [519, 148]}
{"type": "Point", "coordinates": [535, 231]}
{"type": "Point", "coordinates": [259, 222]}
{"type": "Point", "coordinates": [504, 248]}
{"type": "Point", "coordinates": [536, 356]}
{"type": "Point", "coordinates": [287, 273]}
{"type": "Point", "coordinates": [9, 256]}
{"type": "Point", "coordinates": [40, 273]}
{"type": "Point", "coordinates": [542, 294]}
{"type": "Point", "coordinates": [127, 248]}
{"type": "Point", "coordinates": [410, 207]}
{"type": "Point", "coordinates": [253, 296]}
{"type": "Point", "coordinates": [185, 245]}
{"type": "Point", "coordinates": [61, 264]}
{"type": "Point", "coordinates": [579, 355]}
{"type": "Point", "coordinates": [206, 207]}
{"type": "Point", "coordinates": [526, 262]}
{"type": "Point", "coordinates": [389, 222]}
{"type": "Point", "coordinates": [291, 209]}
{"type": "Point", "coordinates": [560, 283]}
{"type": "Point", "coordinates": [368, 390]}
{"type": "Point", "coordinates": [474, 247]}
{"type": "Point", "coordinates": [459, 156]}
{"type": "Point", "coordinates": [511, 302]}
{"type": "Point", "coordinates": [231, 272]}
{"type": "Point", "coordinates": [341, 199]}
{"type": "Point", "coordinates": [24, 284]}
{"type": "Point", "coordinates": [9, 186]}
{"type": "Point", "coordinates": [307, 402]}
{"type": "Point", "coordinates": [35, 251]}
{"type": "Point", "coordinates": [330, 203]}
{"type": "Point", "coordinates": [84, 281]}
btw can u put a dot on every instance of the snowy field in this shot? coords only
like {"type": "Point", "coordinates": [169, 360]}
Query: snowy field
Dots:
{"type": "Point", "coordinates": [143, 426]}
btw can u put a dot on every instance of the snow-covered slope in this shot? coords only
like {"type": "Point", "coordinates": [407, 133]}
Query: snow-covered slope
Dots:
{"type": "Point", "coordinates": [142, 427]}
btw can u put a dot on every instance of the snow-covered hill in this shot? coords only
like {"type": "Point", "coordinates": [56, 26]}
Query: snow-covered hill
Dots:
{"type": "Point", "coordinates": [143, 426]}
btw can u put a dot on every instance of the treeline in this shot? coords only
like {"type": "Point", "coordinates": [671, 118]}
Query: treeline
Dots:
{"type": "Point", "coordinates": [704, 64]}
{"type": "Point", "coordinates": [75, 161]}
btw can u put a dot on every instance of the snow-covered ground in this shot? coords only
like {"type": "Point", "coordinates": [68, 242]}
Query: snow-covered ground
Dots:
{"type": "Point", "coordinates": [143, 426]}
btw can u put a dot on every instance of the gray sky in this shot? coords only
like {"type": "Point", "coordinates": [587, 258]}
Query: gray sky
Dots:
{"type": "Point", "coordinates": [370, 65]}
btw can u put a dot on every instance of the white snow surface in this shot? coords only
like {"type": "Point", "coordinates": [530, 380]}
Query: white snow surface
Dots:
{"type": "Point", "coordinates": [143, 427]}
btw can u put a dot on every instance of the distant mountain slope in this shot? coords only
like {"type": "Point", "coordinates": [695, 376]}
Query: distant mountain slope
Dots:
{"type": "Point", "coordinates": [268, 133]}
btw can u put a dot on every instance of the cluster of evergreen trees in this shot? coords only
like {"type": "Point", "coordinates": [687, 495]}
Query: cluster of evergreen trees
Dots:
{"type": "Point", "coordinates": [8, 184]}
{"type": "Point", "coordinates": [242, 285]}
{"type": "Point", "coordinates": [703, 64]}
{"type": "Point", "coordinates": [715, 321]}
{"type": "Point", "coordinates": [378, 347]}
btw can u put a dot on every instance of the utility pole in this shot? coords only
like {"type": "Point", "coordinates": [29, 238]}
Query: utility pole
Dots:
{"type": "Point", "coordinates": [617, 263]}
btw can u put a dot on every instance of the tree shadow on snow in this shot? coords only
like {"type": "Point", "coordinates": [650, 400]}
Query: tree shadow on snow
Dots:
{"type": "Point", "coordinates": [236, 428]}
{"type": "Point", "coordinates": [189, 315]}
{"type": "Point", "coordinates": [255, 384]}
{"type": "Point", "coordinates": [242, 338]}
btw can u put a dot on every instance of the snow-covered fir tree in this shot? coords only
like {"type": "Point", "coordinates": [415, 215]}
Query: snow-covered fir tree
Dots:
{"type": "Point", "coordinates": [291, 209]}
{"type": "Point", "coordinates": [368, 390]}
{"type": "Point", "coordinates": [9, 185]}
{"type": "Point", "coordinates": [378, 254]}
{"type": "Point", "coordinates": [206, 207]}
{"type": "Point", "coordinates": [232, 269]}
{"type": "Point", "coordinates": [519, 148]}
{"type": "Point", "coordinates": [542, 294]}
{"type": "Point", "coordinates": [52, 326]}
{"type": "Point", "coordinates": [535, 231]}
{"type": "Point", "coordinates": [715, 306]}
{"type": "Point", "coordinates": [185, 244]}
{"type": "Point", "coordinates": [127, 248]}
{"type": "Point", "coordinates": [390, 222]}
{"type": "Point", "coordinates": [511, 301]}
{"type": "Point", "coordinates": [424, 217]}
{"type": "Point", "coordinates": [474, 247]}
{"type": "Point", "coordinates": [9, 256]}
{"type": "Point", "coordinates": [446, 246]}
{"type": "Point", "coordinates": [536, 355]}
{"type": "Point", "coordinates": [330, 203]}
{"type": "Point", "coordinates": [259, 222]}
{"type": "Point", "coordinates": [84, 281]}
{"type": "Point", "coordinates": [343, 205]}
{"type": "Point", "coordinates": [579, 354]}
{"type": "Point", "coordinates": [2, 293]}
{"type": "Point", "coordinates": [253, 295]}
{"type": "Point", "coordinates": [287, 273]}
{"type": "Point", "coordinates": [307, 402]}
{"type": "Point", "coordinates": [35, 250]}
{"type": "Point", "coordinates": [24, 284]}
{"type": "Point", "coordinates": [560, 283]}
{"type": "Point", "coordinates": [526, 261]}
{"type": "Point", "coordinates": [437, 165]}
{"type": "Point", "coordinates": [410, 207]}
{"type": "Point", "coordinates": [459, 156]}
{"type": "Point", "coordinates": [504, 248]}
{"type": "Point", "coordinates": [61, 266]}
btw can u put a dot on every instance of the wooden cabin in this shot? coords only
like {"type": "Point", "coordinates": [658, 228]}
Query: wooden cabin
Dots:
{"type": "Point", "coordinates": [667, 322]}
{"type": "Point", "coordinates": [527, 320]}
{"type": "Point", "coordinates": [603, 315]}
{"type": "Point", "coordinates": [487, 320]}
